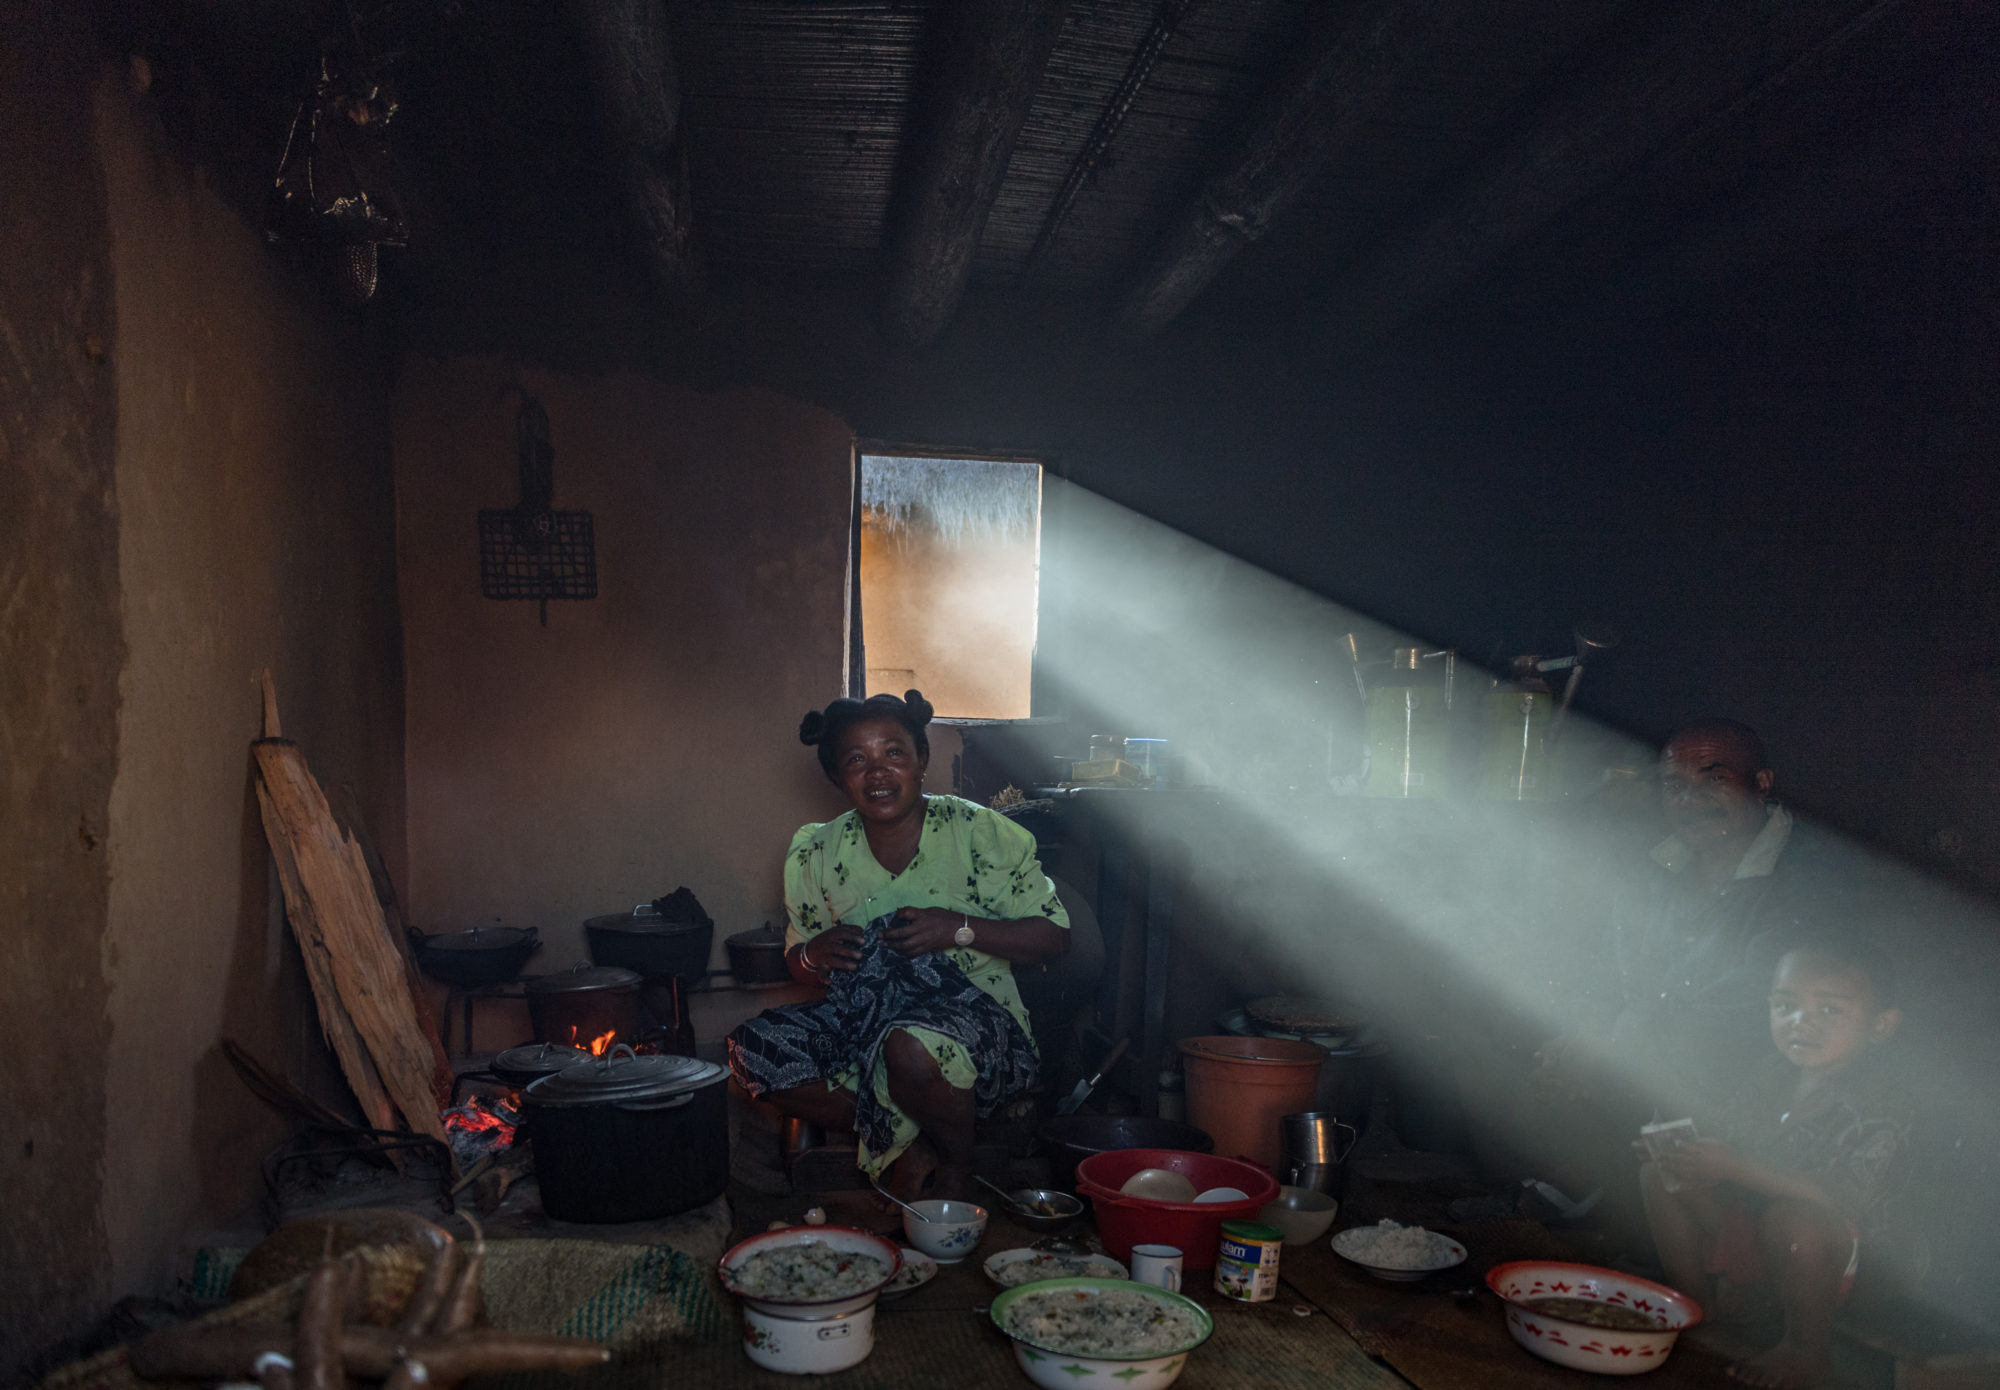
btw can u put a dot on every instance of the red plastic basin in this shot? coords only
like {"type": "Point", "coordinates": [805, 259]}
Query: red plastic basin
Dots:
{"type": "Point", "coordinates": [1194, 1227]}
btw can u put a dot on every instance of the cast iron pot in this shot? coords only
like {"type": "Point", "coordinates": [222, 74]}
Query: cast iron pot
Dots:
{"type": "Point", "coordinates": [573, 1006]}
{"type": "Point", "coordinates": [625, 1138]}
{"type": "Point", "coordinates": [482, 956]}
{"type": "Point", "coordinates": [1073, 1138]}
{"type": "Point", "coordinates": [644, 941]}
{"type": "Point", "coordinates": [758, 957]}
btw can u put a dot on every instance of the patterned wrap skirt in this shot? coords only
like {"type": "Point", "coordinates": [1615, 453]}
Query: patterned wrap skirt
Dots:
{"type": "Point", "coordinates": [837, 1041]}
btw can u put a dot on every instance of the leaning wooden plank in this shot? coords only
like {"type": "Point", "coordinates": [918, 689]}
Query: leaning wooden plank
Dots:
{"type": "Point", "coordinates": [367, 971]}
{"type": "Point", "coordinates": [334, 1024]}
{"type": "Point", "coordinates": [347, 814]}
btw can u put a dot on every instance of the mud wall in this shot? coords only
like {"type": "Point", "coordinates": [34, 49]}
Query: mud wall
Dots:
{"type": "Point", "coordinates": [195, 484]}
{"type": "Point", "coordinates": [645, 738]}
{"type": "Point", "coordinates": [60, 631]}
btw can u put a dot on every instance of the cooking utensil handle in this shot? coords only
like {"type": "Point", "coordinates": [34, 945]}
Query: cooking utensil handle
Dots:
{"type": "Point", "coordinates": [1353, 1138]}
{"type": "Point", "coordinates": [670, 1103]}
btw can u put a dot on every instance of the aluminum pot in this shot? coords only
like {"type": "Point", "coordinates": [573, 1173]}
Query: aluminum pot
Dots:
{"type": "Point", "coordinates": [482, 956]}
{"type": "Point", "coordinates": [653, 945]}
{"type": "Point", "coordinates": [585, 1002]}
{"type": "Point", "coordinates": [530, 1062]}
{"type": "Point", "coordinates": [758, 957]}
{"type": "Point", "coordinates": [625, 1138]}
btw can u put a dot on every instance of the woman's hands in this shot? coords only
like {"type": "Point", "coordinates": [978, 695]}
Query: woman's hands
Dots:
{"type": "Point", "coordinates": [836, 948]}
{"type": "Point", "coordinates": [918, 931]}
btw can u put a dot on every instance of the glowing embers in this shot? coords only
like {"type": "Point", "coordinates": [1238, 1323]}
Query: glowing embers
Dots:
{"type": "Point", "coordinates": [480, 1127]}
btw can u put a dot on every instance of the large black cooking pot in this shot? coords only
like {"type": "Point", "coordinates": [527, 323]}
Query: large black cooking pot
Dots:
{"type": "Point", "coordinates": [625, 1138]}
{"type": "Point", "coordinates": [574, 1006]}
{"type": "Point", "coordinates": [1072, 1138]}
{"type": "Point", "coordinates": [649, 943]}
{"type": "Point", "coordinates": [482, 956]}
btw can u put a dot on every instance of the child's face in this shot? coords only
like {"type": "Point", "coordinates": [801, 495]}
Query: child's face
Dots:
{"type": "Point", "coordinates": [1823, 1012]}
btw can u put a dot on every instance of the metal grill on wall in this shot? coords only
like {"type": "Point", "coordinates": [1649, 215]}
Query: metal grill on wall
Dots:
{"type": "Point", "coordinates": [532, 551]}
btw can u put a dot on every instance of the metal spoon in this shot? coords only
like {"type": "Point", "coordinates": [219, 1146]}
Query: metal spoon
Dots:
{"type": "Point", "coordinates": [899, 1201]}
{"type": "Point", "coordinates": [1002, 1193]}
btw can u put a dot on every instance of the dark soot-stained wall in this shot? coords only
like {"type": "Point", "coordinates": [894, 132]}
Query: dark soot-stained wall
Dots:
{"type": "Point", "coordinates": [194, 485]}
{"type": "Point", "coordinates": [60, 631]}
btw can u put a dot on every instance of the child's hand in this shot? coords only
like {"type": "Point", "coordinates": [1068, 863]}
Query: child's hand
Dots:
{"type": "Point", "coordinates": [1704, 1163]}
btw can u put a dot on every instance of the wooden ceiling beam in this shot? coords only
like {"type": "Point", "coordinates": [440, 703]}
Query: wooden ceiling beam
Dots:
{"type": "Point", "coordinates": [638, 91]}
{"type": "Point", "coordinates": [1702, 64]}
{"type": "Point", "coordinates": [986, 63]}
{"type": "Point", "coordinates": [1317, 105]}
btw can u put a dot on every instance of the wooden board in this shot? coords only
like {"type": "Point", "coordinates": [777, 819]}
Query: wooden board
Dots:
{"type": "Point", "coordinates": [334, 1024]}
{"type": "Point", "coordinates": [331, 900]}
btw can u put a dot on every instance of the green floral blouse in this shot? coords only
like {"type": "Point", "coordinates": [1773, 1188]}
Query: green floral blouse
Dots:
{"type": "Point", "coordinates": [970, 860]}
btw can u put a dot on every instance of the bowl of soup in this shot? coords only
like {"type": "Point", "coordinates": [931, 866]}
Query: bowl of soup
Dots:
{"type": "Point", "coordinates": [1590, 1318]}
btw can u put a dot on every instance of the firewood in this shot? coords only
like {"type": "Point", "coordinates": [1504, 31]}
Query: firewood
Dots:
{"type": "Point", "coordinates": [331, 900]}
{"type": "Point", "coordinates": [462, 1306]}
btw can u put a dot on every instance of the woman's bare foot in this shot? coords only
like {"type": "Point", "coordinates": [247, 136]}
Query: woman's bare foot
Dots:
{"type": "Point", "coordinates": [1783, 1367]}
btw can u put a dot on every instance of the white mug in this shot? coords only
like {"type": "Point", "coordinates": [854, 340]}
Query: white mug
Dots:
{"type": "Point", "coordinates": [1159, 1265]}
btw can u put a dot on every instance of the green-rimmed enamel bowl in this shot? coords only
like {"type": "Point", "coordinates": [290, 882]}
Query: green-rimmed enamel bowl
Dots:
{"type": "Point", "coordinates": [1056, 1370]}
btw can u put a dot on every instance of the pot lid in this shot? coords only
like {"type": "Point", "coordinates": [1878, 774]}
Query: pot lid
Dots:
{"type": "Point", "coordinates": [766, 935]}
{"type": "Point", "coordinates": [620, 1076]}
{"type": "Point", "coordinates": [583, 978]}
{"type": "Point", "coordinates": [539, 1059]}
{"type": "Point", "coordinates": [477, 939]}
{"type": "Point", "coordinates": [646, 920]}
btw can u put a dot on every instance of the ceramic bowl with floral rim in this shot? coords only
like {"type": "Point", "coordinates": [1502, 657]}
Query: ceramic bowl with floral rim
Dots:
{"type": "Point", "coordinates": [1524, 1284]}
{"type": "Point", "coordinates": [953, 1229]}
{"type": "Point", "coordinates": [1053, 1369]}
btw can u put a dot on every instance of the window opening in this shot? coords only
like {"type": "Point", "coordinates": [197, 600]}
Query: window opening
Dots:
{"type": "Point", "coordinates": [950, 560]}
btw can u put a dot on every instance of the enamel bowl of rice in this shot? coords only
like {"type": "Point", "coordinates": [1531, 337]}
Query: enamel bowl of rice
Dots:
{"type": "Point", "coordinates": [1119, 1332]}
{"type": "Point", "coordinates": [1591, 1318]}
{"type": "Point", "coordinates": [809, 1295]}
{"type": "Point", "coordinates": [1401, 1254]}
{"type": "Point", "coordinates": [810, 1271]}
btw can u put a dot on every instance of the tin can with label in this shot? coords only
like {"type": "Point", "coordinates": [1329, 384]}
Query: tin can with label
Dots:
{"type": "Point", "coordinates": [1246, 1264]}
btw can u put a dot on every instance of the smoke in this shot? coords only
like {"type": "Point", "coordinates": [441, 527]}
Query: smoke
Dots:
{"type": "Point", "coordinates": [1470, 931]}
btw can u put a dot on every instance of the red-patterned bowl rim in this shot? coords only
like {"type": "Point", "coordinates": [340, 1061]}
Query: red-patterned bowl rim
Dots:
{"type": "Point", "coordinates": [1496, 1275]}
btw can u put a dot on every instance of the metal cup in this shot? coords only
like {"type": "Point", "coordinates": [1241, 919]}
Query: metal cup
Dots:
{"type": "Point", "coordinates": [1311, 1138]}
{"type": "Point", "coordinates": [1328, 1178]}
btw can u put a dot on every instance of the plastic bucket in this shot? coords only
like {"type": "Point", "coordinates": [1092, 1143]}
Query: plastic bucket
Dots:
{"type": "Point", "coordinates": [1194, 1227]}
{"type": "Point", "coordinates": [1238, 1088]}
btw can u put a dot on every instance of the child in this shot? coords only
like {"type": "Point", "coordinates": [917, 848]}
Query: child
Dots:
{"type": "Point", "coordinates": [1797, 1182]}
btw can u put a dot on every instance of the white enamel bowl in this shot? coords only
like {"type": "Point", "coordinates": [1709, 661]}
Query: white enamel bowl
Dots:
{"type": "Point", "coordinates": [953, 1229]}
{"type": "Point", "coordinates": [1055, 1370]}
{"type": "Point", "coordinates": [808, 1346]}
{"type": "Point", "coordinates": [840, 1238]}
{"type": "Point", "coordinates": [1586, 1348]}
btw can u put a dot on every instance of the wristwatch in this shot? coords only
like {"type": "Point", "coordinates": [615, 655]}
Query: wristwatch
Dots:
{"type": "Point", "coordinates": [963, 936]}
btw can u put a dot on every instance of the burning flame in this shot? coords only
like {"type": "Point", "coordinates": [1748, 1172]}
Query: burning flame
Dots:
{"type": "Point", "coordinates": [598, 1045]}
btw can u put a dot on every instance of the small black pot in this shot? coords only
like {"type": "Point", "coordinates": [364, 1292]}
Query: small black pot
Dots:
{"type": "Point", "coordinates": [624, 1138]}
{"type": "Point", "coordinates": [1072, 1138]}
{"type": "Point", "coordinates": [482, 956]}
{"type": "Point", "coordinates": [644, 941]}
{"type": "Point", "coordinates": [758, 957]}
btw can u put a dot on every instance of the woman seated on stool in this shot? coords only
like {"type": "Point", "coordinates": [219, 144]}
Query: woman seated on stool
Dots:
{"type": "Point", "coordinates": [912, 910]}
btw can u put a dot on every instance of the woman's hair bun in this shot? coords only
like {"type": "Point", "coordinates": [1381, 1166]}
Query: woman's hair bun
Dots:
{"type": "Point", "coordinates": [920, 708]}
{"type": "Point", "coordinates": [812, 728]}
